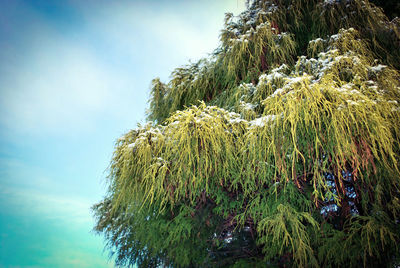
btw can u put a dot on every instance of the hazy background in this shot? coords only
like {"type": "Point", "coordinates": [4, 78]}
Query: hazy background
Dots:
{"type": "Point", "coordinates": [74, 76]}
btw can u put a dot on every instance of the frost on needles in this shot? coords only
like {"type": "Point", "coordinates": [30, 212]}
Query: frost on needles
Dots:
{"type": "Point", "coordinates": [280, 149]}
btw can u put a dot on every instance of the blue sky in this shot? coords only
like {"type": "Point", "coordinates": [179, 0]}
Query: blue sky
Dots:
{"type": "Point", "coordinates": [74, 76]}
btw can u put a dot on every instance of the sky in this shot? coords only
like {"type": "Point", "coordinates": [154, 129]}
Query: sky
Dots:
{"type": "Point", "coordinates": [75, 76]}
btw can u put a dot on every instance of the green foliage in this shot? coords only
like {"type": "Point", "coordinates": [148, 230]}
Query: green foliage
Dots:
{"type": "Point", "coordinates": [286, 231]}
{"type": "Point", "coordinates": [281, 149]}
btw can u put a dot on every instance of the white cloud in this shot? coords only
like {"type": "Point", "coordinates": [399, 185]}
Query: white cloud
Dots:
{"type": "Point", "coordinates": [64, 83]}
{"type": "Point", "coordinates": [157, 31]}
{"type": "Point", "coordinates": [175, 33]}
{"type": "Point", "coordinates": [69, 210]}
{"type": "Point", "coordinates": [29, 190]}
{"type": "Point", "coordinates": [61, 87]}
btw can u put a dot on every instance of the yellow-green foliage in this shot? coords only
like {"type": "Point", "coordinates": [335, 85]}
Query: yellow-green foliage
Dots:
{"type": "Point", "coordinates": [195, 150]}
{"type": "Point", "coordinates": [287, 228]}
{"type": "Point", "coordinates": [254, 157]}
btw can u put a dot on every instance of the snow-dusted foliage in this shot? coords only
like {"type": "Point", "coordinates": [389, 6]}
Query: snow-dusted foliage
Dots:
{"type": "Point", "coordinates": [280, 149]}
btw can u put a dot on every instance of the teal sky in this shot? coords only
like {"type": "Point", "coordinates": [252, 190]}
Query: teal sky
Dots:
{"type": "Point", "coordinates": [74, 76]}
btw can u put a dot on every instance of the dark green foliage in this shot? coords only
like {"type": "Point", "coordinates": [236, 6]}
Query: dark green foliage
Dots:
{"type": "Point", "coordinates": [281, 149]}
{"type": "Point", "coordinates": [390, 7]}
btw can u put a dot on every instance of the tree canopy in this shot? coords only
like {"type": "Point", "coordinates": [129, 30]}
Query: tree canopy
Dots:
{"type": "Point", "coordinates": [281, 148]}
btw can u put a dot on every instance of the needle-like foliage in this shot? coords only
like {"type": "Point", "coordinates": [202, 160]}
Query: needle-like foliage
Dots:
{"type": "Point", "coordinates": [280, 149]}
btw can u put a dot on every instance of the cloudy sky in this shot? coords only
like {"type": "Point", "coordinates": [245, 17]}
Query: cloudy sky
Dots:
{"type": "Point", "coordinates": [74, 76]}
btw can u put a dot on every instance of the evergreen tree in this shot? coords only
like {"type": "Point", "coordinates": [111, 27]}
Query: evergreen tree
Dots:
{"type": "Point", "coordinates": [280, 149]}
